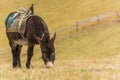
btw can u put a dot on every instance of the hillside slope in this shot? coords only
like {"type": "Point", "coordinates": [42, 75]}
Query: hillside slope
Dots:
{"type": "Point", "coordinates": [57, 14]}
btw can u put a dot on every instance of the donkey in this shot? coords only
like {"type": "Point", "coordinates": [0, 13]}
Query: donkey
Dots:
{"type": "Point", "coordinates": [36, 33]}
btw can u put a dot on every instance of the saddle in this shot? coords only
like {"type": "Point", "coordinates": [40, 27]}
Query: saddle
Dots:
{"type": "Point", "coordinates": [16, 22]}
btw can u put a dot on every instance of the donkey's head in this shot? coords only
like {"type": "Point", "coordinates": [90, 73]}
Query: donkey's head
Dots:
{"type": "Point", "coordinates": [48, 49]}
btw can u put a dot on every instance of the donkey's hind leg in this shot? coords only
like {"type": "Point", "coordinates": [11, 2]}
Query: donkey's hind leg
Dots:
{"type": "Point", "coordinates": [15, 49]}
{"type": "Point", "coordinates": [18, 51]}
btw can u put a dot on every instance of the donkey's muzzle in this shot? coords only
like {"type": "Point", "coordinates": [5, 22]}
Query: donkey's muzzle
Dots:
{"type": "Point", "coordinates": [49, 64]}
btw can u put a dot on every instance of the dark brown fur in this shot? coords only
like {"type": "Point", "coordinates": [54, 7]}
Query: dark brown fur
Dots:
{"type": "Point", "coordinates": [35, 27]}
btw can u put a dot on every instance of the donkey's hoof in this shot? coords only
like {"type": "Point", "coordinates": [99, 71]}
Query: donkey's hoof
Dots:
{"type": "Point", "coordinates": [27, 66]}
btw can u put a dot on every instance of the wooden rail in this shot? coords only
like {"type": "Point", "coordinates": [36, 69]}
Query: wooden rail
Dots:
{"type": "Point", "coordinates": [111, 15]}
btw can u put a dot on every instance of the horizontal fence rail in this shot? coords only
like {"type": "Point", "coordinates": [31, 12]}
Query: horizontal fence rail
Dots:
{"type": "Point", "coordinates": [98, 17]}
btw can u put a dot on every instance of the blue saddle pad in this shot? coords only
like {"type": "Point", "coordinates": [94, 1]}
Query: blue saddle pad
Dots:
{"type": "Point", "coordinates": [9, 20]}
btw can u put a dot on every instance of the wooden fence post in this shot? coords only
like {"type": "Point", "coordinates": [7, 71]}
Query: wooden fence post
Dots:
{"type": "Point", "coordinates": [117, 13]}
{"type": "Point", "coordinates": [77, 25]}
{"type": "Point", "coordinates": [98, 18]}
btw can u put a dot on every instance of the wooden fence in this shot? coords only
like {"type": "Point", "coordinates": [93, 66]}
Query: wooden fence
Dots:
{"type": "Point", "coordinates": [64, 33]}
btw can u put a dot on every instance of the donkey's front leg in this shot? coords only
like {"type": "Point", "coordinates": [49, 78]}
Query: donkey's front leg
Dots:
{"type": "Point", "coordinates": [29, 54]}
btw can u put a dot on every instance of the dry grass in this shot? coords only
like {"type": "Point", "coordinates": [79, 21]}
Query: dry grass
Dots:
{"type": "Point", "coordinates": [95, 69]}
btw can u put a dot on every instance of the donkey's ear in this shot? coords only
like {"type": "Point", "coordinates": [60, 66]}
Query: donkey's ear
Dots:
{"type": "Point", "coordinates": [54, 37]}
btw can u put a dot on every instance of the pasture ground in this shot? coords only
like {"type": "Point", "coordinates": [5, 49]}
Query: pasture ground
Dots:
{"type": "Point", "coordinates": [93, 54]}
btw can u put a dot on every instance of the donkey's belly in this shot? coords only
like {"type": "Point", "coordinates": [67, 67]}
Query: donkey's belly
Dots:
{"type": "Point", "coordinates": [21, 41]}
{"type": "Point", "coordinates": [17, 38]}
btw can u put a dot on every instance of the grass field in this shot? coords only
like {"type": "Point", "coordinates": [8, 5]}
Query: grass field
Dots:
{"type": "Point", "coordinates": [90, 55]}
{"type": "Point", "coordinates": [96, 57]}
